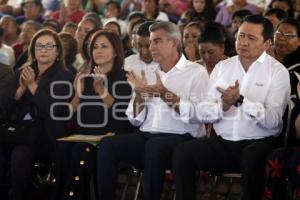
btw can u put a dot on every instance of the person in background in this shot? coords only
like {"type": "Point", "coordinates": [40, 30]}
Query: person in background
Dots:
{"type": "Point", "coordinates": [287, 49]}
{"type": "Point", "coordinates": [200, 10]}
{"type": "Point", "coordinates": [112, 13]}
{"type": "Point", "coordinates": [191, 34]}
{"type": "Point", "coordinates": [285, 5]}
{"type": "Point", "coordinates": [69, 43]}
{"type": "Point", "coordinates": [70, 11]}
{"type": "Point", "coordinates": [113, 26]}
{"type": "Point", "coordinates": [33, 10]}
{"type": "Point", "coordinates": [142, 61]}
{"type": "Point", "coordinates": [52, 24]}
{"type": "Point", "coordinates": [275, 15]}
{"type": "Point", "coordinates": [237, 17]}
{"type": "Point", "coordinates": [152, 12]}
{"type": "Point", "coordinates": [130, 6]}
{"type": "Point", "coordinates": [134, 26]}
{"type": "Point", "coordinates": [11, 30]}
{"type": "Point", "coordinates": [84, 26]}
{"type": "Point", "coordinates": [174, 7]}
{"type": "Point", "coordinates": [7, 55]}
{"type": "Point", "coordinates": [224, 15]}
{"type": "Point", "coordinates": [28, 29]}
{"type": "Point", "coordinates": [70, 27]}
{"type": "Point", "coordinates": [211, 48]}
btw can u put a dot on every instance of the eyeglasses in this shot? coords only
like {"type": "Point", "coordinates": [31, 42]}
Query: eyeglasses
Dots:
{"type": "Point", "coordinates": [45, 46]}
{"type": "Point", "coordinates": [287, 36]}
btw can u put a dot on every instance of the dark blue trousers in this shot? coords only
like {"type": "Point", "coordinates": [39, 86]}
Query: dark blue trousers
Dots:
{"type": "Point", "coordinates": [150, 152]}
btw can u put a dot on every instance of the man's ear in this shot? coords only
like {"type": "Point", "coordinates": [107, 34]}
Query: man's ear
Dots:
{"type": "Point", "coordinates": [268, 43]}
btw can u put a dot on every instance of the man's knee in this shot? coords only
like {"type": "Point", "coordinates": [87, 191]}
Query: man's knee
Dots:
{"type": "Point", "coordinates": [254, 155]}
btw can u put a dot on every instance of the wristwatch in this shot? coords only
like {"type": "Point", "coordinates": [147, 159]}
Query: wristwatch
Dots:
{"type": "Point", "coordinates": [239, 102]}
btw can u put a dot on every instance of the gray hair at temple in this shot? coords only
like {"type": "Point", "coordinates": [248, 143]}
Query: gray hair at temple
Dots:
{"type": "Point", "coordinates": [171, 29]}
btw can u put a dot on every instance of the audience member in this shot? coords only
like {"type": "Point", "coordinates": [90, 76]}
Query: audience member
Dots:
{"type": "Point", "coordinates": [11, 30]}
{"type": "Point", "coordinates": [287, 49]}
{"type": "Point", "coordinates": [101, 97]}
{"type": "Point", "coordinates": [211, 48]}
{"type": "Point", "coordinates": [70, 11]}
{"type": "Point", "coordinates": [29, 28]}
{"type": "Point", "coordinates": [33, 10]}
{"type": "Point", "coordinates": [246, 110]}
{"type": "Point", "coordinates": [7, 56]}
{"type": "Point", "coordinates": [191, 34]}
{"type": "Point", "coordinates": [70, 27]}
{"type": "Point", "coordinates": [275, 15]}
{"type": "Point", "coordinates": [161, 128]}
{"type": "Point", "coordinates": [32, 99]}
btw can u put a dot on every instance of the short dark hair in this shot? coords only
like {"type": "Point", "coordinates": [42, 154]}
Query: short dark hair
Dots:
{"type": "Point", "coordinates": [36, 25]}
{"type": "Point", "coordinates": [268, 30]}
{"type": "Point", "coordinates": [95, 17]}
{"type": "Point", "coordinates": [212, 35]}
{"type": "Point", "coordinates": [279, 13]}
{"type": "Point", "coordinates": [135, 14]}
{"type": "Point", "coordinates": [293, 22]}
{"type": "Point", "coordinates": [241, 13]}
{"type": "Point", "coordinates": [116, 42]}
{"type": "Point", "coordinates": [70, 25]}
{"type": "Point", "coordinates": [143, 29]}
{"type": "Point", "coordinates": [113, 3]}
{"type": "Point", "coordinates": [115, 23]}
{"type": "Point", "coordinates": [53, 23]}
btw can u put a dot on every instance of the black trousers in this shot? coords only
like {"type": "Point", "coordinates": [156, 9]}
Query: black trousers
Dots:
{"type": "Point", "coordinates": [19, 159]}
{"type": "Point", "coordinates": [74, 166]}
{"type": "Point", "coordinates": [218, 155]}
{"type": "Point", "coordinates": [150, 152]}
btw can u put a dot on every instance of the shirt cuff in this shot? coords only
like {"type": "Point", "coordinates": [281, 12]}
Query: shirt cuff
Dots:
{"type": "Point", "coordinates": [253, 110]}
{"type": "Point", "coordinates": [184, 110]}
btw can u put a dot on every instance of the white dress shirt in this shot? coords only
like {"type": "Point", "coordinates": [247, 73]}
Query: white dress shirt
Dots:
{"type": "Point", "coordinates": [266, 89]}
{"type": "Point", "coordinates": [186, 79]}
{"type": "Point", "coordinates": [7, 55]}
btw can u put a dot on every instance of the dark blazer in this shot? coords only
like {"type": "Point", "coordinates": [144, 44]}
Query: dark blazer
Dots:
{"type": "Point", "coordinates": [41, 106]}
{"type": "Point", "coordinates": [99, 113]}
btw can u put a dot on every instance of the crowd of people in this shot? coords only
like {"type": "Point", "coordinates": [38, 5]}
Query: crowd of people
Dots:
{"type": "Point", "coordinates": [186, 86]}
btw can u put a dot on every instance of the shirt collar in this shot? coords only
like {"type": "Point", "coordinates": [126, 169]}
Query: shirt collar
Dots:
{"type": "Point", "coordinates": [262, 57]}
{"type": "Point", "coordinates": [181, 64]}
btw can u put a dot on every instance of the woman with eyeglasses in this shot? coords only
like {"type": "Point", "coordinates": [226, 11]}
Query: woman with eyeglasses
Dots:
{"type": "Point", "coordinates": [101, 98]}
{"type": "Point", "coordinates": [42, 88]}
{"type": "Point", "coordinates": [287, 49]}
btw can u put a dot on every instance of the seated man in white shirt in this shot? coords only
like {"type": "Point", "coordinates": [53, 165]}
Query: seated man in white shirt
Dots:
{"type": "Point", "coordinates": [250, 92]}
{"type": "Point", "coordinates": [161, 128]}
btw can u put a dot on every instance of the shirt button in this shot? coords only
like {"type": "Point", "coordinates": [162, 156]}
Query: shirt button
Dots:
{"type": "Point", "coordinates": [71, 193]}
{"type": "Point", "coordinates": [87, 149]}
{"type": "Point", "coordinates": [82, 162]}
{"type": "Point", "coordinates": [77, 178]}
